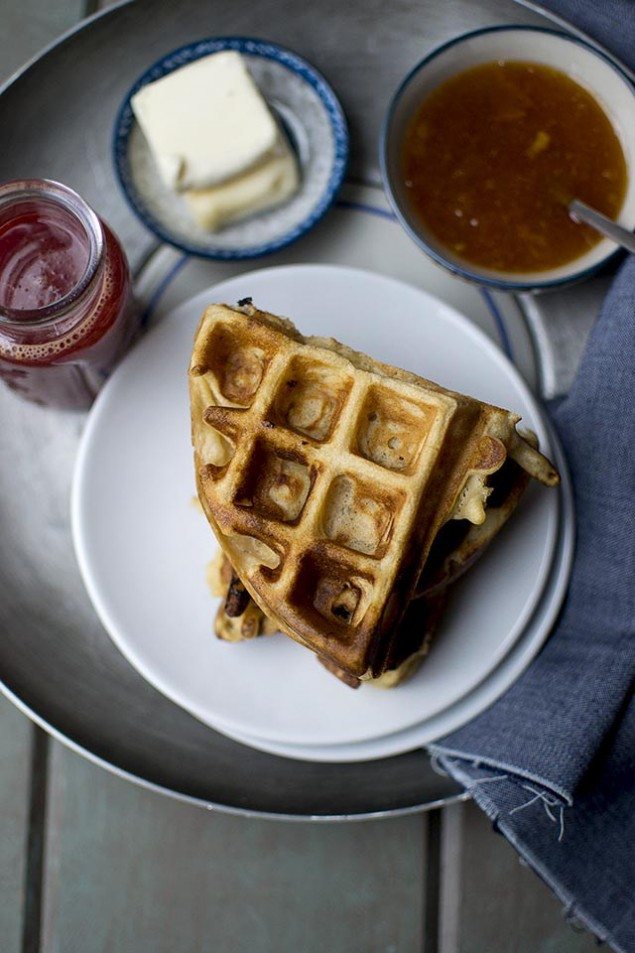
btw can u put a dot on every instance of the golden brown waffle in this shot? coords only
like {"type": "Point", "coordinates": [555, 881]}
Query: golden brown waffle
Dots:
{"type": "Point", "coordinates": [456, 548]}
{"type": "Point", "coordinates": [234, 622]}
{"type": "Point", "coordinates": [412, 643]}
{"type": "Point", "coordinates": [458, 544]}
{"type": "Point", "coordinates": [326, 476]}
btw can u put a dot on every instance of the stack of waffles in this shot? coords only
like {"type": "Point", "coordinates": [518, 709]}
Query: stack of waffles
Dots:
{"type": "Point", "coordinates": [347, 496]}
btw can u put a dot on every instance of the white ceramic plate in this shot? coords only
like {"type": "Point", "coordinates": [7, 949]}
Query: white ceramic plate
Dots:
{"type": "Point", "coordinates": [491, 688]}
{"type": "Point", "coordinates": [142, 546]}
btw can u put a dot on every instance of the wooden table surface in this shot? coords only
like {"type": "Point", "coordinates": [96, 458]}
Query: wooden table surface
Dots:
{"type": "Point", "coordinates": [90, 863]}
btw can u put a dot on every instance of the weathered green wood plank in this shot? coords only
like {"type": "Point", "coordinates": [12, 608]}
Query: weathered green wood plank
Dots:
{"type": "Point", "coordinates": [505, 907]}
{"type": "Point", "coordinates": [15, 736]}
{"type": "Point", "coordinates": [28, 25]}
{"type": "Point", "coordinates": [129, 870]}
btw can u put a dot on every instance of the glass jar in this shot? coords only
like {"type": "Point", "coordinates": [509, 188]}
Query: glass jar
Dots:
{"type": "Point", "coordinates": [65, 304]}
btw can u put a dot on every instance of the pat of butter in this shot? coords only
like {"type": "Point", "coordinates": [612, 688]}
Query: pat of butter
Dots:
{"type": "Point", "coordinates": [206, 122]}
{"type": "Point", "coordinates": [268, 185]}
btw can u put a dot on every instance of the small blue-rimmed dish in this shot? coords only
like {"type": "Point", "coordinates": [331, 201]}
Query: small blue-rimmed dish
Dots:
{"type": "Point", "coordinates": [312, 118]}
{"type": "Point", "coordinates": [585, 64]}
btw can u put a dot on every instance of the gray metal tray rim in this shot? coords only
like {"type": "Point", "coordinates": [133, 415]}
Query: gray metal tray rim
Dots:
{"type": "Point", "coordinates": [112, 766]}
{"type": "Point", "coordinates": [211, 805]}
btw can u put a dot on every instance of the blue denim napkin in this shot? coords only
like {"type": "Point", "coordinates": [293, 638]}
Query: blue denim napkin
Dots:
{"type": "Point", "coordinates": [552, 762]}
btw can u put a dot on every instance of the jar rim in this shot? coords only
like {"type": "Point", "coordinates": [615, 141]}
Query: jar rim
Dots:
{"type": "Point", "coordinates": [48, 190]}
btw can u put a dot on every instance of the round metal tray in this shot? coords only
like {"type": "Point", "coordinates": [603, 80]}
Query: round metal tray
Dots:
{"type": "Point", "coordinates": [56, 662]}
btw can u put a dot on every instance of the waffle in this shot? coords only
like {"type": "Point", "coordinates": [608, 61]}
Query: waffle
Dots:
{"type": "Point", "coordinates": [327, 475]}
{"type": "Point", "coordinates": [456, 548]}
{"type": "Point", "coordinates": [236, 621]}
{"type": "Point", "coordinates": [247, 621]}
{"type": "Point", "coordinates": [459, 543]}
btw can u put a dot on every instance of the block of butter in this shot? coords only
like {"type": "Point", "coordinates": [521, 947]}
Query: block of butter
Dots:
{"type": "Point", "coordinates": [206, 123]}
{"type": "Point", "coordinates": [260, 188]}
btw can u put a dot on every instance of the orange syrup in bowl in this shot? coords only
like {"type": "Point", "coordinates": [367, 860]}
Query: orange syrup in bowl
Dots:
{"type": "Point", "coordinates": [492, 157]}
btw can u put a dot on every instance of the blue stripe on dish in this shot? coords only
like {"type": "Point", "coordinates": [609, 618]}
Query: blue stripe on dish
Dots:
{"type": "Point", "coordinates": [369, 209]}
{"type": "Point", "coordinates": [499, 321]}
{"type": "Point", "coordinates": [252, 47]}
{"type": "Point", "coordinates": [161, 288]}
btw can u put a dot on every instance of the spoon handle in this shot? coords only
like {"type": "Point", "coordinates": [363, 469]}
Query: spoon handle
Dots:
{"type": "Point", "coordinates": [584, 213]}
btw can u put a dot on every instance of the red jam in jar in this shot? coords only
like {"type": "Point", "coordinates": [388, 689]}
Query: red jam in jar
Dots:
{"type": "Point", "coordinates": [65, 306]}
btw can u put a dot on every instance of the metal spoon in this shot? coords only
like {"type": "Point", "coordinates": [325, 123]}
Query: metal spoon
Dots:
{"type": "Point", "coordinates": [584, 213]}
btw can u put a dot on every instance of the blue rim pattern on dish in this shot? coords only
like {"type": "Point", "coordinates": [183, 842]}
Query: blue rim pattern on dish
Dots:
{"type": "Point", "coordinates": [451, 266]}
{"type": "Point", "coordinates": [125, 120]}
{"type": "Point", "coordinates": [499, 321]}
